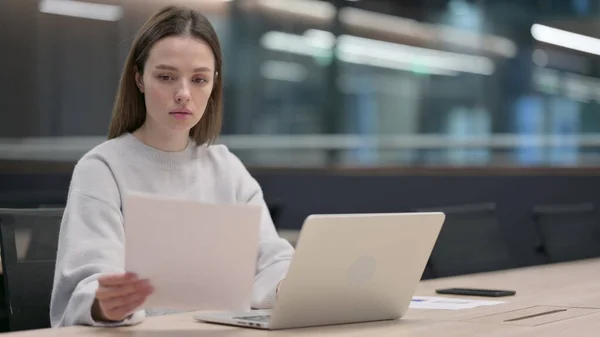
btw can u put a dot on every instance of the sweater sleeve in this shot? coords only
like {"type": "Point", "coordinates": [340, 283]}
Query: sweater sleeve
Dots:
{"type": "Point", "coordinates": [275, 253]}
{"type": "Point", "coordinates": [91, 243]}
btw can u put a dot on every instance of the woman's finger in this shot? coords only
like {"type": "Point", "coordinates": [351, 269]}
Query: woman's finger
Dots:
{"type": "Point", "coordinates": [128, 309]}
{"type": "Point", "coordinates": [106, 293]}
{"type": "Point", "coordinates": [115, 302]}
{"type": "Point", "coordinates": [116, 279]}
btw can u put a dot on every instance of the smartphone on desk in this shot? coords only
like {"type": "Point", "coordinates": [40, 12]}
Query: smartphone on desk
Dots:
{"type": "Point", "coordinates": [476, 292]}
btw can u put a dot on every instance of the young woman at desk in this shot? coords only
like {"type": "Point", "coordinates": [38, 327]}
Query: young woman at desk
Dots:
{"type": "Point", "coordinates": [167, 111]}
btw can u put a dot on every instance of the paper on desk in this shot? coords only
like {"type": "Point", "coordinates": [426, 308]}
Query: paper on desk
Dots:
{"type": "Point", "coordinates": [443, 303]}
{"type": "Point", "coordinates": [196, 256]}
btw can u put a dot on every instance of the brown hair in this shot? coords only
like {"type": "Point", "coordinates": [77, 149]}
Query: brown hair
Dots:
{"type": "Point", "coordinates": [129, 111]}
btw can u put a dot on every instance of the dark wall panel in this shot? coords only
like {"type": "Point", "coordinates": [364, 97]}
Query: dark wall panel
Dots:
{"type": "Point", "coordinates": [301, 193]}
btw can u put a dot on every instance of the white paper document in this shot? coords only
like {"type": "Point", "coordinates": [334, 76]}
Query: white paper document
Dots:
{"type": "Point", "coordinates": [444, 303]}
{"type": "Point", "coordinates": [196, 256]}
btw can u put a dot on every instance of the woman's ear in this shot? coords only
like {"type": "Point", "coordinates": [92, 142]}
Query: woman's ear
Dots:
{"type": "Point", "coordinates": [139, 81]}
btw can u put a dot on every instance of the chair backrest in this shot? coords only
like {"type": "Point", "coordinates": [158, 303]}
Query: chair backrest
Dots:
{"type": "Point", "coordinates": [470, 242]}
{"type": "Point", "coordinates": [28, 244]}
{"type": "Point", "coordinates": [275, 210]}
{"type": "Point", "coordinates": [427, 272]}
{"type": "Point", "coordinates": [568, 232]}
{"type": "Point", "coordinates": [33, 199]}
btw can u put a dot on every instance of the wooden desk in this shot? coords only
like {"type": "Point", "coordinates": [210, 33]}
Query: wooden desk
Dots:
{"type": "Point", "coordinates": [573, 285]}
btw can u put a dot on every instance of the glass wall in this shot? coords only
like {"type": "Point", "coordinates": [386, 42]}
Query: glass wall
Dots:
{"type": "Point", "coordinates": [313, 83]}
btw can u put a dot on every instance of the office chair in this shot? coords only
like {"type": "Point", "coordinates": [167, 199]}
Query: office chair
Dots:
{"type": "Point", "coordinates": [469, 242]}
{"type": "Point", "coordinates": [33, 199]}
{"type": "Point", "coordinates": [427, 272]}
{"type": "Point", "coordinates": [275, 210]}
{"type": "Point", "coordinates": [567, 232]}
{"type": "Point", "coordinates": [28, 244]}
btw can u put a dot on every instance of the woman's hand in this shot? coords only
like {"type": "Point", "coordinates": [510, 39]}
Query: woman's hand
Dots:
{"type": "Point", "coordinates": [118, 296]}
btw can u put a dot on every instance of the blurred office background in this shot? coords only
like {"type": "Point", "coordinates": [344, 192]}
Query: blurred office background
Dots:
{"type": "Point", "coordinates": [312, 83]}
{"type": "Point", "coordinates": [487, 110]}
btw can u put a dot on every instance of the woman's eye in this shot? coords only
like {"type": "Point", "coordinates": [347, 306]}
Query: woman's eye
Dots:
{"type": "Point", "coordinates": [165, 77]}
{"type": "Point", "coordinates": [200, 80]}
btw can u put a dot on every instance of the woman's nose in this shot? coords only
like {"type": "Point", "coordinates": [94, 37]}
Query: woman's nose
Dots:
{"type": "Point", "coordinates": [183, 94]}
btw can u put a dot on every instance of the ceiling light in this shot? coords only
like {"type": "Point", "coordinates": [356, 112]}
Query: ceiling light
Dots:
{"type": "Point", "coordinates": [566, 39]}
{"type": "Point", "coordinates": [81, 9]}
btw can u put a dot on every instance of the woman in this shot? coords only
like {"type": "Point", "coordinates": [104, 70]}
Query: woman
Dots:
{"type": "Point", "coordinates": [167, 112]}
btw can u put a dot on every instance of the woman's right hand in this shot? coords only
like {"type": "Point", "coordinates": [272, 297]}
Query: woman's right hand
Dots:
{"type": "Point", "coordinates": [119, 295]}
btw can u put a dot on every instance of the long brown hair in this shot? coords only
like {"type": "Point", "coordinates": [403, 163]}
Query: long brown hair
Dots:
{"type": "Point", "coordinates": [129, 111]}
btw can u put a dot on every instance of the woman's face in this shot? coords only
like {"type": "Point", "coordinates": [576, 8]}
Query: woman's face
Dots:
{"type": "Point", "coordinates": [177, 83]}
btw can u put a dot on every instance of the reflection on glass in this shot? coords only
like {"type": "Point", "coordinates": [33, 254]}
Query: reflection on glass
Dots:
{"type": "Point", "coordinates": [315, 82]}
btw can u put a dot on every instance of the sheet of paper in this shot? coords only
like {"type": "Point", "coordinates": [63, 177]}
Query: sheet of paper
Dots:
{"type": "Point", "coordinates": [196, 256]}
{"type": "Point", "coordinates": [444, 303]}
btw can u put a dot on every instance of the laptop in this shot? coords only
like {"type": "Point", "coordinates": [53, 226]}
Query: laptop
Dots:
{"type": "Point", "coordinates": [347, 268]}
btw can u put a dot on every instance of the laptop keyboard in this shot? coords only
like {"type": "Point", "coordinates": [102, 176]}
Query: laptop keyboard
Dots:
{"type": "Point", "coordinates": [259, 318]}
